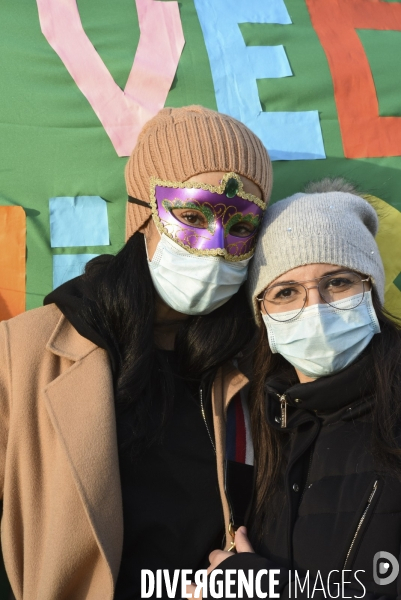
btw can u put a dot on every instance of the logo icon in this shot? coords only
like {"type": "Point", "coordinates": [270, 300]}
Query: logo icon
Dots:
{"type": "Point", "coordinates": [385, 568]}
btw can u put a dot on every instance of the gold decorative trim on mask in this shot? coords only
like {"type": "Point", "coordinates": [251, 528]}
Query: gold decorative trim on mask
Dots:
{"type": "Point", "coordinates": [216, 189]}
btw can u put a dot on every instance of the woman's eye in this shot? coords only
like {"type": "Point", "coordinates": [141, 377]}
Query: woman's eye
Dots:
{"type": "Point", "coordinates": [191, 218]}
{"type": "Point", "coordinates": [242, 229]}
{"type": "Point", "coordinates": [339, 283]}
{"type": "Point", "coordinates": [285, 293]}
{"type": "Point", "coordinates": [194, 218]}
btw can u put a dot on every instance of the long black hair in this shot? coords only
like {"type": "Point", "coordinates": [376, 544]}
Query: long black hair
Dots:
{"type": "Point", "coordinates": [385, 350]}
{"type": "Point", "coordinates": [119, 304]}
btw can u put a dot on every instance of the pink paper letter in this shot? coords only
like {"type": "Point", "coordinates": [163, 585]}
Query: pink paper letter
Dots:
{"type": "Point", "coordinates": [122, 113]}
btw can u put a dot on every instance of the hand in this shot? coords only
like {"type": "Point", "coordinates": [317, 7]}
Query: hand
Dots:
{"type": "Point", "coordinates": [242, 544]}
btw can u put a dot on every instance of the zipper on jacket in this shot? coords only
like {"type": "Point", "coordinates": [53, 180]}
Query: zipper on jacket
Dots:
{"type": "Point", "coordinates": [204, 418]}
{"type": "Point", "coordinates": [283, 409]}
{"type": "Point", "coordinates": [361, 520]}
{"type": "Point", "coordinates": [231, 531]}
{"type": "Point", "coordinates": [231, 527]}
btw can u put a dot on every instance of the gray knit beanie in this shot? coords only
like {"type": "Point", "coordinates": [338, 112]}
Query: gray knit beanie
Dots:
{"type": "Point", "coordinates": [336, 228]}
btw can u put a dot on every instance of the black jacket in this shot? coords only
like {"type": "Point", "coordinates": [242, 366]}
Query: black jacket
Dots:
{"type": "Point", "coordinates": [334, 508]}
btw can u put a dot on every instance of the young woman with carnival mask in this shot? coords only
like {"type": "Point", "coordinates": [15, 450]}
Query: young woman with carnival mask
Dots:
{"type": "Point", "coordinates": [112, 395]}
{"type": "Point", "coordinates": [326, 403]}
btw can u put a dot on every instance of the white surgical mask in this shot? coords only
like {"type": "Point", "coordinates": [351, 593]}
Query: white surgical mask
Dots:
{"type": "Point", "coordinates": [191, 284]}
{"type": "Point", "coordinates": [323, 340]}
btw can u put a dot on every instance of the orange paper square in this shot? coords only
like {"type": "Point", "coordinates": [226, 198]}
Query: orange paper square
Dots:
{"type": "Point", "coordinates": [12, 261]}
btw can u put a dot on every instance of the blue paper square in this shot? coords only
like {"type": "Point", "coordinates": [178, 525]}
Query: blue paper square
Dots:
{"type": "Point", "coordinates": [68, 266]}
{"type": "Point", "coordinates": [78, 221]}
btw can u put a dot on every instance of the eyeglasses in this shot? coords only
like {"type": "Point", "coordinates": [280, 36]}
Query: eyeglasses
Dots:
{"type": "Point", "coordinates": [280, 298]}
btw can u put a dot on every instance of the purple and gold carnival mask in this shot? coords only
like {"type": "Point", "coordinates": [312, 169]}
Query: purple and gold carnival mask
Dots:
{"type": "Point", "coordinates": [208, 220]}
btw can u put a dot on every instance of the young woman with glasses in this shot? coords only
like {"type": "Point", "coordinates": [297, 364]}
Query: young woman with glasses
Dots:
{"type": "Point", "coordinates": [326, 404]}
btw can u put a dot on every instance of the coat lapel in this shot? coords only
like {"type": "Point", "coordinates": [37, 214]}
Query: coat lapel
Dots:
{"type": "Point", "coordinates": [229, 380]}
{"type": "Point", "coordinates": [81, 407]}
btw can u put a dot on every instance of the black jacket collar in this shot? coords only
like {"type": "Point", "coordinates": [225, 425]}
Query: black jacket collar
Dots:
{"type": "Point", "coordinates": [326, 397]}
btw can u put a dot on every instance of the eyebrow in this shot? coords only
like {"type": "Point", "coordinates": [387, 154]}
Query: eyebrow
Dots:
{"type": "Point", "coordinates": [312, 278]}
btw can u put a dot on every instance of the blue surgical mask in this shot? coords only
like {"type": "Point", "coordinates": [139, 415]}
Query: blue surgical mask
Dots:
{"type": "Point", "coordinates": [191, 284]}
{"type": "Point", "coordinates": [323, 339]}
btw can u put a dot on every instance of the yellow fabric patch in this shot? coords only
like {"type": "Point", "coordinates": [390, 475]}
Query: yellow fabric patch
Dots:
{"type": "Point", "coordinates": [389, 241]}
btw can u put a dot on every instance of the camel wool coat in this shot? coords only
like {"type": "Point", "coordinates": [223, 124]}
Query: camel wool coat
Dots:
{"type": "Point", "coordinates": [62, 523]}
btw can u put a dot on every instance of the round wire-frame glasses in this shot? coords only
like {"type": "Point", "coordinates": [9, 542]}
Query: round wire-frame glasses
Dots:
{"type": "Point", "coordinates": [285, 297]}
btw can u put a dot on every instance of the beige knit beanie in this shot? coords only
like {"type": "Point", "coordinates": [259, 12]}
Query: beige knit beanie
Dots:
{"type": "Point", "coordinates": [179, 143]}
{"type": "Point", "coordinates": [334, 228]}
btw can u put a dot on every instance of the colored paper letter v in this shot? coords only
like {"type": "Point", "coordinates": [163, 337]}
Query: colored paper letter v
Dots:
{"type": "Point", "coordinates": [121, 112]}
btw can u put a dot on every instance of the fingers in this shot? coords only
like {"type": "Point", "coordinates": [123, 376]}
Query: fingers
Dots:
{"type": "Point", "coordinates": [216, 557]}
{"type": "Point", "coordinates": [242, 543]}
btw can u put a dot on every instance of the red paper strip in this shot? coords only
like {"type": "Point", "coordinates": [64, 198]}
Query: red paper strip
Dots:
{"type": "Point", "coordinates": [12, 261]}
{"type": "Point", "coordinates": [364, 133]}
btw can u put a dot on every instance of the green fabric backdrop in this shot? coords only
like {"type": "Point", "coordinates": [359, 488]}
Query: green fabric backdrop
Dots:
{"type": "Point", "coordinates": [52, 143]}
